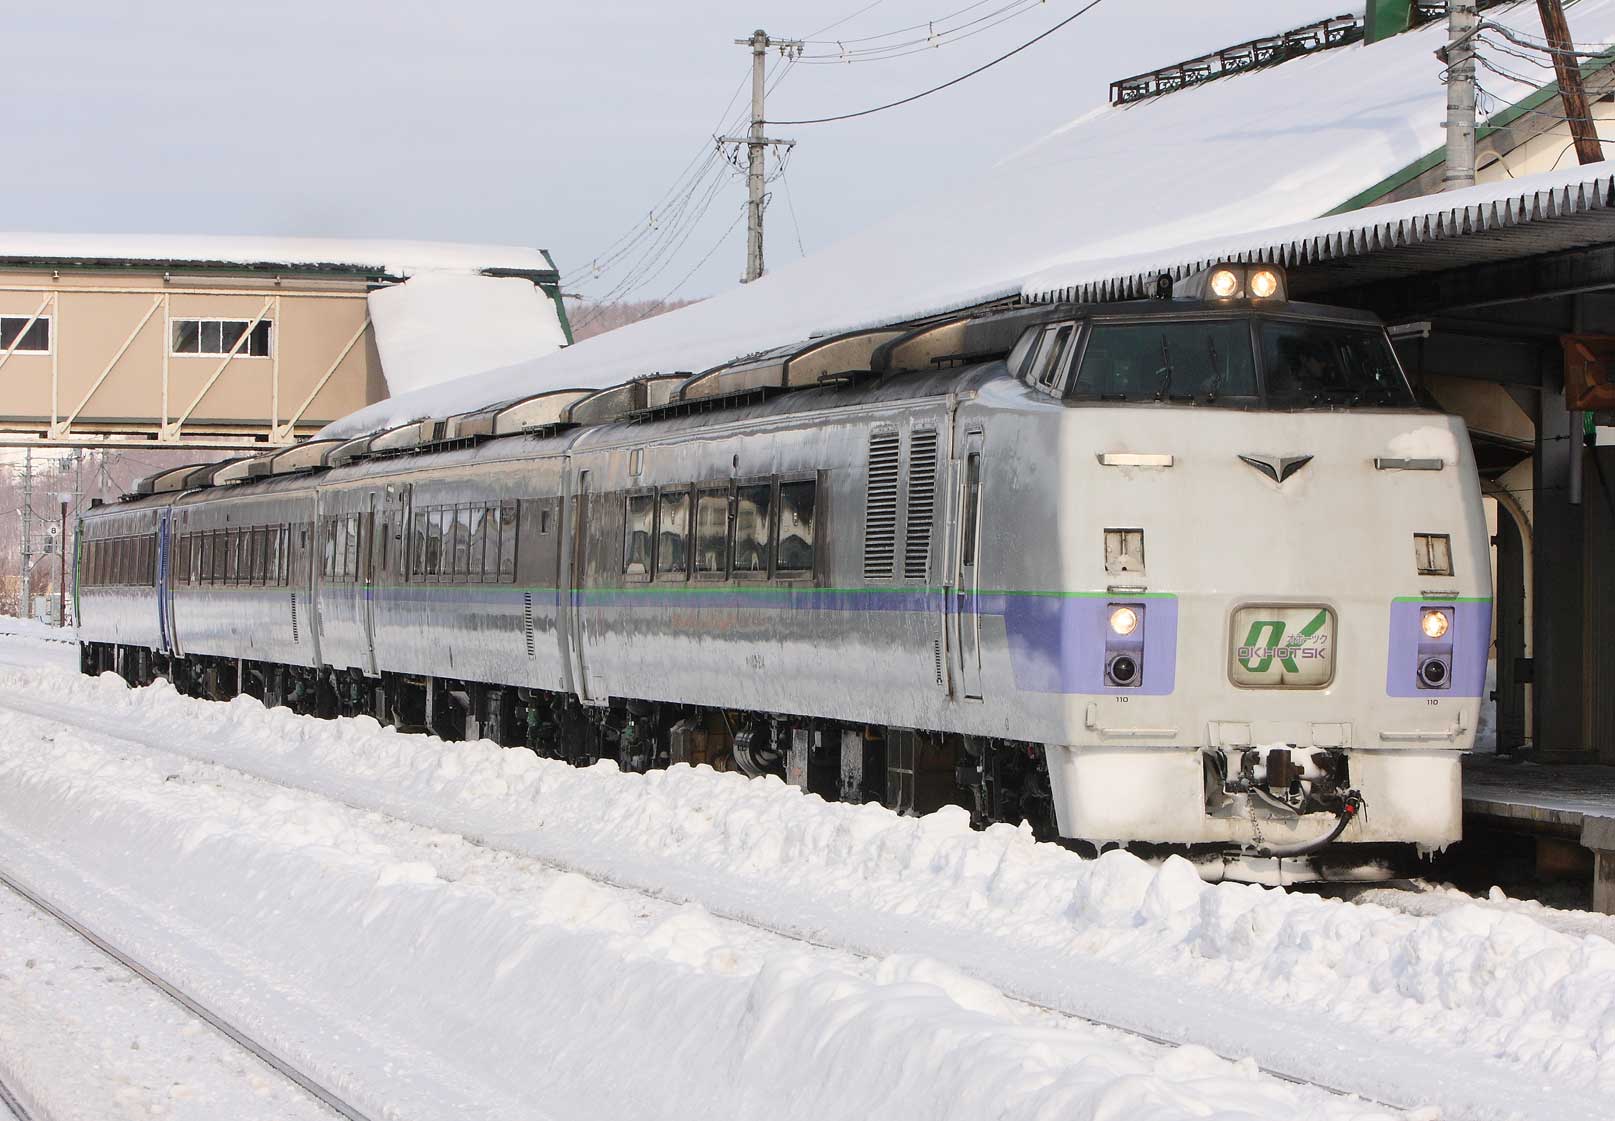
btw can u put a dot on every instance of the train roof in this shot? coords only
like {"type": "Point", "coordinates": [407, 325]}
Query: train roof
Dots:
{"type": "Point", "coordinates": [921, 358]}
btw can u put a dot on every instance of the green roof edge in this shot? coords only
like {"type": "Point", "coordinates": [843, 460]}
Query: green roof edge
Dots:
{"type": "Point", "coordinates": [1497, 121]}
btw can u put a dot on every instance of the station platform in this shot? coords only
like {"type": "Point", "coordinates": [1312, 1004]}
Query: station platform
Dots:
{"type": "Point", "coordinates": [1560, 802]}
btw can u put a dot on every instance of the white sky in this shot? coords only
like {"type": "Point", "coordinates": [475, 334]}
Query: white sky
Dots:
{"type": "Point", "coordinates": [529, 123]}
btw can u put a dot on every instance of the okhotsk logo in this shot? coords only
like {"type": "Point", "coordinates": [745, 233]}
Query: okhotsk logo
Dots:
{"type": "Point", "coordinates": [1283, 646]}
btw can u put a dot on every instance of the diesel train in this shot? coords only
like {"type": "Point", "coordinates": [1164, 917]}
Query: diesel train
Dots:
{"type": "Point", "coordinates": [1194, 573]}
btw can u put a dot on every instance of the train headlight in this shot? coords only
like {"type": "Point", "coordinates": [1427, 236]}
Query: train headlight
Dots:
{"type": "Point", "coordinates": [1224, 283]}
{"type": "Point", "coordinates": [1123, 620]}
{"type": "Point", "coordinates": [1264, 284]}
{"type": "Point", "coordinates": [1433, 623]}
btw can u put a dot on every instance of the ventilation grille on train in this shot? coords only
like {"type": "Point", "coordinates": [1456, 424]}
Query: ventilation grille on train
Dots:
{"type": "Point", "coordinates": [295, 639]}
{"type": "Point", "coordinates": [921, 504]}
{"type": "Point", "coordinates": [936, 656]}
{"type": "Point", "coordinates": [527, 623]}
{"type": "Point", "coordinates": [880, 508]}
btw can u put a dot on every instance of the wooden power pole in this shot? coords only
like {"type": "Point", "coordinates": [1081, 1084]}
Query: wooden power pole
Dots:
{"type": "Point", "coordinates": [1583, 131]}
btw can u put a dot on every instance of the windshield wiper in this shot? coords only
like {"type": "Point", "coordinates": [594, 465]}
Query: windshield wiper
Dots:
{"type": "Point", "coordinates": [1165, 385]}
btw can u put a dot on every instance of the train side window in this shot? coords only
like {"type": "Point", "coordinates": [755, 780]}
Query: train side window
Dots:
{"type": "Point", "coordinates": [285, 555]}
{"type": "Point", "coordinates": [461, 516]}
{"type": "Point", "coordinates": [754, 510]}
{"type": "Point", "coordinates": [712, 534]}
{"type": "Point", "coordinates": [232, 556]}
{"type": "Point", "coordinates": [673, 534]}
{"type": "Point", "coordinates": [638, 535]}
{"type": "Point", "coordinates": [1050, 355]}
{"type": "Point", "coordinates": [798, 501]}
{"type": "Point", "coordinates": [260, 559]}
{"type": "Point", "coordinates": [972, 504]}
{"type": "Point", "coordinates": [417, 544]}
{"type": "Point", "coordinates": [355, 539]}
{"type": "Point", "coordinates": [477, 566]}
{"type": "Point", "coordinates": [507, 541]}
{"type": "Point", "coordinates": [328, 549]}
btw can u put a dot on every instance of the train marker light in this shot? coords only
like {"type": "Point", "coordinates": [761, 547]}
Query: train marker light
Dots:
{"type": "Point", "coordinates": [1433, 623]}
{"type": "Point", "coordinates": [1224, 283]}
{"type": "Point", "coordinates": [1264, 284]}
{"type": "Point", "coordinates": [1123, 620]}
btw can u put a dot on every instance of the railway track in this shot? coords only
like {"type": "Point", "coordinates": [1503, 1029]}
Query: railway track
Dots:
{"type": "Point", "coordinates": [328, 1097]}
{"type": "Point", "coordinates": [11, 1107]}
{"type": "Point", "coordinates": [106, 729]}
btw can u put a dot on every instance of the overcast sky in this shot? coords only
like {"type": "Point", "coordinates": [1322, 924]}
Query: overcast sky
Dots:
{"type": "Point", "coordinates": [532, 123]}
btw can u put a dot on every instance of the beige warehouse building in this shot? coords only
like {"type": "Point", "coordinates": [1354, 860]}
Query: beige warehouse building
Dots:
{"type": "Point", "coordinates": [247, 342]}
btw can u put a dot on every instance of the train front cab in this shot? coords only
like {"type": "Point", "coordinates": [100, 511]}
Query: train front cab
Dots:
{"type": "Point", "coordinates": [1272, 644]}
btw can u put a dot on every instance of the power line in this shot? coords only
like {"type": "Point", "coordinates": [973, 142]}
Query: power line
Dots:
{"type": "Point", "coordinates": [953, 82]}
{"type": "Point", "coordinates": [932, 41]}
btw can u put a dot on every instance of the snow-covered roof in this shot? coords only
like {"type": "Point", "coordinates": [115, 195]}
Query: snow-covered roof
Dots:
{"type": "Point", "coordinates": [371, 256]}
{"type": "Point", "coordinates": [1563, 210]}
{"type": "Point", "coordinates": [1259, 150]}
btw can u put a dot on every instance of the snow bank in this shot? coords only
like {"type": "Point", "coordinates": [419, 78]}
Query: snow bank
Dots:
{"type": "Point", "coordinates": [1502, 1004]}
{"type": "Point", "coordinates": [1111, 184]}
{"type": "Point", "coordinates": [444, 325]}
{"type": "Point", "coordinates": [429, 977]}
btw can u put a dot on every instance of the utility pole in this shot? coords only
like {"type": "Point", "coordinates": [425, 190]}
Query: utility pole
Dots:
{"type": "Point", "coordinates": [1567, 70]}
{"type": "Point", "coordinates": [61, 583]}
{"type": "Point", "coordinates": [24, 598]}
{"type": "Point", "coordinates": [1462, 23]}
{"type": "Point", "coordinates": [755, 142]}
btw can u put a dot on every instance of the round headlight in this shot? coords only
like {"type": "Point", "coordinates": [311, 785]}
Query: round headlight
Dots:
{"type": "Point", "coordinates": [1264, 283]}
{"type": "Point", "coordinates": [1224, 283]}
{"type": "Point", "coordinates": [1434, 624]}
{"type": "Point", "coordinates": [1123, 620]}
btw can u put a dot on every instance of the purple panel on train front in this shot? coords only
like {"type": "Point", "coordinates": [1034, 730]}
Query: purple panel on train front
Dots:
{"type": "Point", "coordinates": [1057, 643]}
{"type": "Point", "coordinates": [1471, 638]}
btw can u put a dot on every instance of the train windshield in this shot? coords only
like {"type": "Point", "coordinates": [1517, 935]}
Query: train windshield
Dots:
{"type": "Point", "coordinates": [1312, 363]}
{"type": "Point", "coordinates": [1200, 360]}
{"type": "Point", "coordinates": [1244, 362]}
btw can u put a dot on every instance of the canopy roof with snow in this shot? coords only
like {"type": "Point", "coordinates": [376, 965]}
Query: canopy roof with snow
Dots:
{"type": "Point", "coordinates": [1116, 192]}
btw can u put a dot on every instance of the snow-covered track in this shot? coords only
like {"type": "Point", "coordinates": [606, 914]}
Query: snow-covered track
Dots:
{"type": "Point", "coordinates": [263, 1053]}
{"type": "Point", "coordinates": [11, 1107]}
{"type": "Point", "coordinates": [107, 729]}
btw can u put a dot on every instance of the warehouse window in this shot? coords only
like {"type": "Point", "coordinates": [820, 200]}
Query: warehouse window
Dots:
{"type": "Point", "coordinates": [218, 337]}
{"type": "Point", "coordinates": [34, 340]}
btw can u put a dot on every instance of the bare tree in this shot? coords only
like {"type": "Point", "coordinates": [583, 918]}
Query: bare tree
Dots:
{"type": "Point", "coordinates": [590, 319]}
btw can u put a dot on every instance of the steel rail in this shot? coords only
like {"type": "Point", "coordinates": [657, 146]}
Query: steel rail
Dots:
{"type": "Point", "coordinates": [10, 1104]}
{"type": "Point", "coordinates": [663, 895]}
{"type": "Point", "coordinates": [268, 1057]}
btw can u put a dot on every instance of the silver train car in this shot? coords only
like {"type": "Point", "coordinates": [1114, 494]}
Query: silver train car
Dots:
{"type": "Point", "coordinates": [1195, 573]}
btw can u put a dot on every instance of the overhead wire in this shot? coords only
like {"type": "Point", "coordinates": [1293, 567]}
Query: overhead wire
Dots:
{"type": "Point", "coordinates": [1086, 8]}
{"type": "Point", "coordinates": [932, 41]}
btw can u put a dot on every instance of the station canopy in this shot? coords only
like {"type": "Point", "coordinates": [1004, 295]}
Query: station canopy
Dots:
{"type": "Point", "coordinates": [1120, 194]}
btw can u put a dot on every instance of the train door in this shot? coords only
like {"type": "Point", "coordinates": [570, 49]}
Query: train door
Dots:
{"type": "Point", "coordinates": [373, 540]}
{"type": "Point", "coordinates": [572, 582]}
{"type": "Point", "coordinates": [165, 601]}
{"type": "Point", "coordinates": [965, 622]}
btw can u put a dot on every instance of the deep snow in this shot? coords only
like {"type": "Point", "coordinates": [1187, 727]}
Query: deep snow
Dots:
{"type": "Point", "coordinates": [1482, 1009]}
{"type": "Point", "coordinates": [427, 976]}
